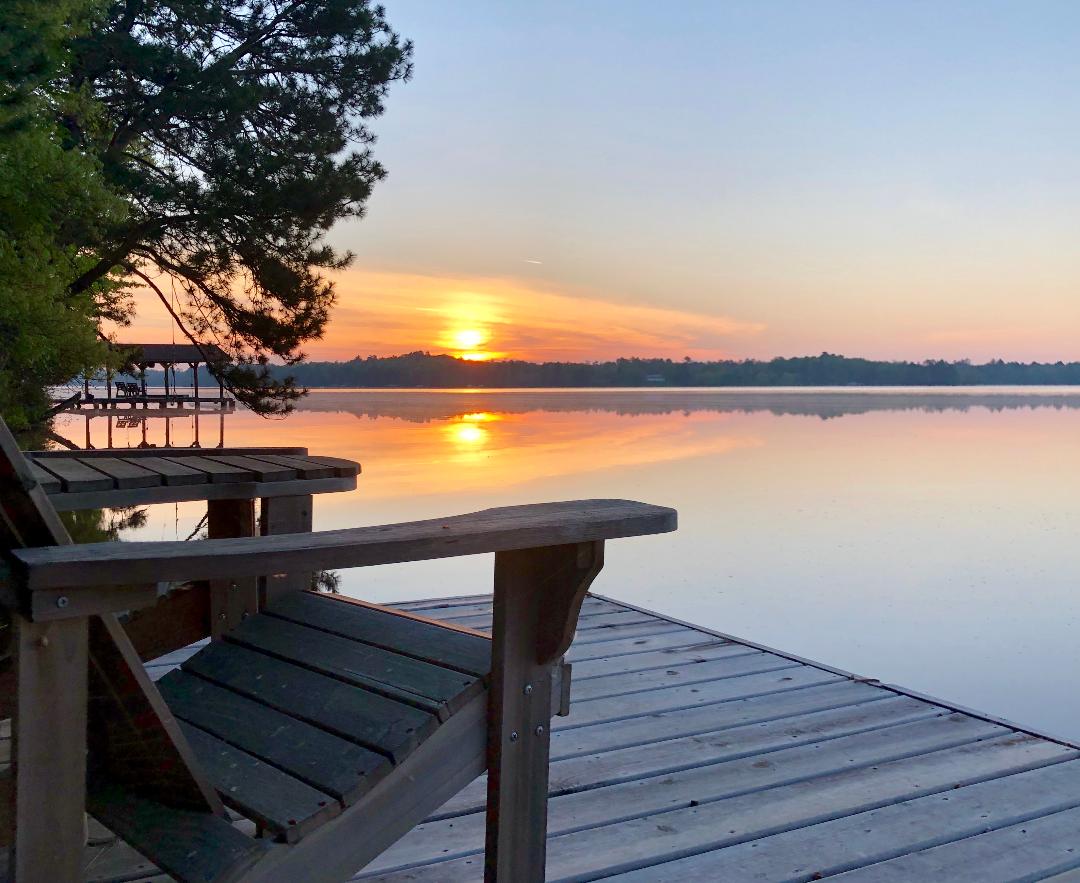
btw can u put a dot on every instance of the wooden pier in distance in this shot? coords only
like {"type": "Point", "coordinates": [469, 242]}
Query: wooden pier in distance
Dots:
{"type": "Point", "coordinates": [691, 755]}
{"type": "Point", "coordinates": [150, 405]}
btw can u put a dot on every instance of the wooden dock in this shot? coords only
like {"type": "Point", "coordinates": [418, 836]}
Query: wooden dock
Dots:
{"type": "Point", "coordinates": [694, 756]}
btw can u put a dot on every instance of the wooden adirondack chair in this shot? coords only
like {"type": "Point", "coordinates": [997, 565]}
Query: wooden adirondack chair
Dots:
{"type": "Point", "coordinates": [335, 725]}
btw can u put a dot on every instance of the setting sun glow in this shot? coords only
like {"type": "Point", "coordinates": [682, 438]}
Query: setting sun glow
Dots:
{"type": "Point", "coordinates": [468, 340]}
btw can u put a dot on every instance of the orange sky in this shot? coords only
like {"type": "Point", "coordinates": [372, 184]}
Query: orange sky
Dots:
{"type": "Point", "coordinates": [386, 313]}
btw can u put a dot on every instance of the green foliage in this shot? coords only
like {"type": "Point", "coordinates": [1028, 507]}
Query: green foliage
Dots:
{"type": "Point", "coordinates": [212, 142]}
{"type": "Point", "coordinates": [52, 201]}
{"type": "Point", "coordinates": [236, 129]}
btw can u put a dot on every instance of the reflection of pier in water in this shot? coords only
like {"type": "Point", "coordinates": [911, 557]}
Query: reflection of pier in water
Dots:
{"type": "Point", "coordinates": [422, 406]}
{"type": "Point", "coordinates": [140, 420]}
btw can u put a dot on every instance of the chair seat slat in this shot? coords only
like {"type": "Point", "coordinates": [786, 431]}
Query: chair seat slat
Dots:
{"type": "Point", "coordinates": [394, 675]}
{"type": "Point", "coordinates": [388, 629]}
{"type": "Point", "coordinates": [327, 762]}
{"type": "Point", "coordinates": [391, 728]}
{"type": "Point", "coordinates": [285, 806]}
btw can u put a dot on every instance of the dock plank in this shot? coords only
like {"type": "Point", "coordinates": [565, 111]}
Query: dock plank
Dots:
{"type": "Point", "coordinates": [618, 708]}
{"type": "Point", "coordinates": [588, 622]}
{"type": "Point", "coordinates": [630, 838]}
{"type": "Point", "coordinates": [1026, 851]}
{"type": "Point", "coordinates": [682, 675]}
{"type": "Point", "coordinates": [680, 637]}
{"type": "Point", "coordinates": [830, 848]}
{"type": "Point", "coordinates": [648, 661]}
{"type": "Point", "coordinates": [613, 766]}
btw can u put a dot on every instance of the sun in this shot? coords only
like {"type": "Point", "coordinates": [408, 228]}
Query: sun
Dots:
{"type": "Point", "coordinates": [470, 338]}
{"type": "Point", "coordinates": [468, 343]}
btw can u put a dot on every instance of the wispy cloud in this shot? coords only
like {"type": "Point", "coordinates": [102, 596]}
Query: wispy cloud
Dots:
{"type": "Point", "coordinates": [385, 313]}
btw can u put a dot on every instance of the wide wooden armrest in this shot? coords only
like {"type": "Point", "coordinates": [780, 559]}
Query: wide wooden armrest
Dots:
{"type": "Point", "coordinates": [491, 530]}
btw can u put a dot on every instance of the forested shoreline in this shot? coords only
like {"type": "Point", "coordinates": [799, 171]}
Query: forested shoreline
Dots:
{"type": "Point", "coordinates": [421, 369]}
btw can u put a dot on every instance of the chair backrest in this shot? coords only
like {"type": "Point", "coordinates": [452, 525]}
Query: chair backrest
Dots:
{"type": "Point", "coordinates": [134, 741]}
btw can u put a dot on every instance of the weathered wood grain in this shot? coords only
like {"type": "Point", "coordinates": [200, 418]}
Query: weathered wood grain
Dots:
{"type": "Point", "coordinates": [538, 594]}
{"type": "Point", "coordinates": [278, 515]}
{"type": "Point", "coordinates": [369, 719]}
{"type": "Point", "coordinates": [614, 766]}
{"type": "Point", "coordinates": [436, 690]}
{"type": "Point", "coordinates": [712, 718]}
{"type": "Point", "coordinates": [670, 698]}
{"type": "Point", "coordinates": [49, 482]}
{"type": "Point", "coordinates": [258, 469]}
{"type": "Point", "coordinates": [304, 466]}
{"type": "Point", "coordinates": [285, 806]}
{"type": "Point", "coordinates": [123, 473]}
{"type": "Point", "coordinates": [168, 836]}
{"type": "Point", "coordinates": [679, 675]}
{"type": "Point", "coordinates": [608, 833]}
{"type": "Point", "coordinates": [604, 666]}
{"type": "Point", "coordinates": [76, 476]}
{"type": "Point", "coordinates": [684, 639]}
{"type": "Point", "coordinates": [386, 629]}
{"type": "Point", "coordinates": [493, 530]}
{"type": "Point", "coordinates": [832, 847]}
{"type": "Point", "coordinates": [221, 490]}
{"type": "Point", "coordinates": [327, 762]}
{"type": "Point", "coordinates": [1026, 851]}
{"type": "Point", "coordinates": [215, 470]}
{"type": "Point", "coordinates": [172, 472]}
{"type": "Point", "coordinates": [232, 598]}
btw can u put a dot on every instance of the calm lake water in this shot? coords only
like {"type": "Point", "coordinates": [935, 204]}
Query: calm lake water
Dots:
{"type": "Point", "coordinates": [929, 538]}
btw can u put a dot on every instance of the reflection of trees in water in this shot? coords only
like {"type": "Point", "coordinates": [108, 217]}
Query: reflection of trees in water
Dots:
{"type": "Point", "coordinates": [102, 525]}
{"type": "Point", "coordinates": [422, 407]}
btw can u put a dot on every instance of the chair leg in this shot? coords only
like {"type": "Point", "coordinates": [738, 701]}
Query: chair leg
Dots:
{"type": "Point", "coordinates": [231, 600]}
{"type": "Point", "coordinates": [49, 749]}
{"type": "Point", "coordinates": [538, 594]}
{"type": "Point", "coordinates": [518, 745]}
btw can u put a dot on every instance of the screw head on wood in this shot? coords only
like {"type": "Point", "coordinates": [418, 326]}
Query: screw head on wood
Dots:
{"type": "Point", "coordinates": [539, 730]}
{"type": "Point", "coordinates": [514, 736]}
{"type": "Point", "coordinates": [62, 602]}
{"type": "Point", "coordinates": [528, 690]}
{"type": "Point", "coordinates": [221, 616]}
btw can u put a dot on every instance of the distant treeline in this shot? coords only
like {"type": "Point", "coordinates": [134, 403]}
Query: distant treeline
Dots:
{"type": "Point", "coordinates": [425, 370]}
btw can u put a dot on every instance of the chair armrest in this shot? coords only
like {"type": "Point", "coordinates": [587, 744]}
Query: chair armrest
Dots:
{"type": "Point", "coordinates": [491, 530]}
